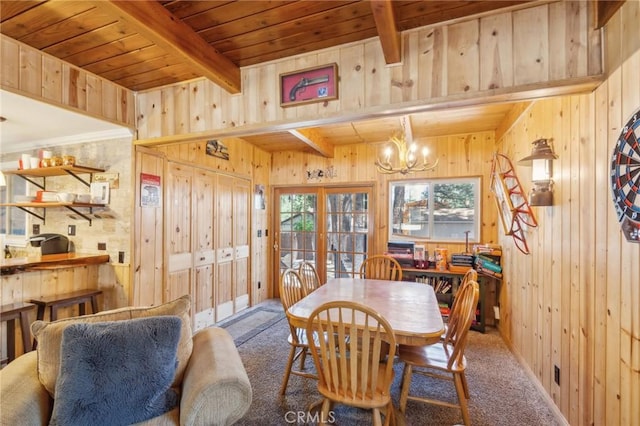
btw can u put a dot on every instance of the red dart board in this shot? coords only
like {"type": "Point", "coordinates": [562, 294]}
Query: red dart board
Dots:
{"type": "Point", "coordinates": [625, 178]}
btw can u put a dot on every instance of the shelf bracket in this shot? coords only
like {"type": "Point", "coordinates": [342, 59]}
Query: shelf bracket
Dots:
{"type": "Point", "coordinates": [78, 177]}
{"type": "Point", "coordinates": [82, 215]}
{"type": "Point", "coordinates": [32, 213]}
{"type": "Point", "coordinates": [33, 182]}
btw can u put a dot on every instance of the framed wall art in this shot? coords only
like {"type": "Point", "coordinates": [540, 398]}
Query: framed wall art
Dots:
{"type": "Point", "coordinates": [316, 84]}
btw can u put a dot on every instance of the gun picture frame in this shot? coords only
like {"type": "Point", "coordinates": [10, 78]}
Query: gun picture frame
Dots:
{"type": "Point", "coordinates": [317, 84]}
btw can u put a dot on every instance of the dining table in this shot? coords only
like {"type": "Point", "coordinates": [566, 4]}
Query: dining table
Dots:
{"type": "Point", "coordinates": [410, 308]}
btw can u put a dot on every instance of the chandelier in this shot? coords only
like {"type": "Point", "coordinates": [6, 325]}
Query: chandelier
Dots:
{"type": "Point", "coordinates": [408, 158]}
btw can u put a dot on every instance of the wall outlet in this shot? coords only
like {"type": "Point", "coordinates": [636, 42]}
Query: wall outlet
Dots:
{"type": "Point", "coordinates": [102, 246]}
{"type": "Point", "coordinates": [259, 233]}
{"type": "Point", "coordinates": [35, 229]}
{"type": "Point", "coordinates": [496, 312]}
{"type": "Point", "coordinates": [71, 230]}
{"type": "Point", "coordinates": [556, 374]}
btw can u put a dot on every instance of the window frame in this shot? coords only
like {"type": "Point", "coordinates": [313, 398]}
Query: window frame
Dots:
{"type": "Point", "coordinates": [13, 239]}
{"type": "Point", "coordinates": [474, 235]}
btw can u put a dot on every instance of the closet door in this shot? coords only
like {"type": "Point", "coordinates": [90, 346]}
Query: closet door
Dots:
{"type": "Point", "coordinates": [224, 248]}
{"type": "Point", "coordinates": [241, 270]}
{"type": "Point", "coordinates": [204, 183]}
{"type": "Point", "coordinates": [178, 216]}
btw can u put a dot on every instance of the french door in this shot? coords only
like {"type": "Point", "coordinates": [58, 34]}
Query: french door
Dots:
{"type": "Point", "coordinates": [327, 226]}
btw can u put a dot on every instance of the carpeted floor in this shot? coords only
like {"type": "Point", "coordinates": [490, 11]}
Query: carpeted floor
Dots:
{"type": "Point", "coordinates": [501, 391]}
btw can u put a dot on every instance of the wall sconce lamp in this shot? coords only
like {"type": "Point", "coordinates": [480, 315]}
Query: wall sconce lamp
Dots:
{"type": "Point", "coordinates": [540, 162]}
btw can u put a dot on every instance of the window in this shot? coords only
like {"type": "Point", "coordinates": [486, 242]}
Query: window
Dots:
{"type": "Point", "coordinates": [435, 209]}
{"type": "Point", "coordinates": [14, 222]}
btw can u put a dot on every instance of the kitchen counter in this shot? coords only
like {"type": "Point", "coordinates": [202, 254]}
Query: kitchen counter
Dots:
{"type": "Point", "coordinates": [50, 261]}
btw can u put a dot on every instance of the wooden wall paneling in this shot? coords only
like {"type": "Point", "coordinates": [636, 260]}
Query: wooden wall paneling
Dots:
{"type": "Point", "coordinates": [602, 214]}
{"type": "Point", "coordinates": [352, 79]}
{"type": "Point", "coordinates": [531, 58]}
{"type": "Point", "coordinates": [564, 195]}
{"type": "Point", "coordinates": [166, 111]}
{"type": "Point", "coordinates": [614, 274]}
{"type": "Point", "coordinates": [181, 108]}
{"type": "Point", "coordinates": [93, 94]}
{"type": "Point", "coordinates": [10, 64]}
{"type": "Point", "coordinates": [51, 79]}
{"type": "Point", "coordinates": [197, 106]}
{"type": "Point", "coordinates": [630, 253]}
{"type": "Point", "coordinates": [40, 76]}
{"type": "Point", "coordinates": [204, 183]}
{"type": "Point", "coordinates": [463, 60]}
{"type": "Point", "coordinates": [109, 105]}
{"type": "Point", "coordinates": [553, 221]}
{"type": "Point", "coordinates": [261, 247]}
{"type": "Point", "coordinates": [376, 74]}
{"type": "Point", "coordinates": [587, 254]}
{"type": "Point", "coordinates": [179, 231]}
{"type": "Point", "coordinates": [432, 62]}
{"type": "Point", "coordinates": [496, 62]}
{"type": "Point", "coordinates": [241, 242]}
{"type": "Point", "coordinates": [404, 85]}
{"type": "Point", "coordinates": [568, 38]}
{"type": "Point", "coordinates": [30, 71]}
{"type": "Point", "coordinates": [224, 247]}
{"type": "Point", "coordinates": [74, 87]}
{"type": "Point", "coordinates": [430, 69]}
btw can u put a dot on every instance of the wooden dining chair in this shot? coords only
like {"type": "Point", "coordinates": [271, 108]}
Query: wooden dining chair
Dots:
{"type": "Point", "coordinates": [443, 360]}
{"type": "Point", "coordinates": [356, 368]}
{"type": "Point", "coordinates": [470, 275]}
{"type": "Point", "coordinates": [309, 276]}
{"type": "Point", "coordinates": [381, 267]}
{"type": "Point", "coordinates": [291, 291]}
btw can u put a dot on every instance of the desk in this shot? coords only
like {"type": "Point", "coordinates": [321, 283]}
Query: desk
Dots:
{"type": "Point", "coordinates": [411, 308]}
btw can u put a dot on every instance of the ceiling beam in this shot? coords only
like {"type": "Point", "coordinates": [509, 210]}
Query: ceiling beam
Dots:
{"type": "Point", "coordinates": [312, 138]}
{"type": "Point", "coordinates": [605, 10]}
{"type": "Point", "coordinates": [388, 33]}
{"type": "Point", "coordinates": [155, 22]}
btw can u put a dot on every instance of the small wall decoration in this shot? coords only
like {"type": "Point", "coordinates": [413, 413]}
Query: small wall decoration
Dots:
{"type": "Point", "coordinates": [216, 148]}
{"type": "Point", "coordinates": [259, 198]}
{"type": "Point", "coordinates": [625, 178]}
{"type": "Point", "coordinates": [112, 178]}
{"type": "Point", "coordinates": [150, 191]}
{"type": "Point", "coordinates": [329, 172]}
{"type": "Point", "coordinates": [513, 208]}
{"type": "Point", "coordinates": [316, 84]}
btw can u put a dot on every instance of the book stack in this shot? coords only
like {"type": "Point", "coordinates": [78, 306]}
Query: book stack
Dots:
{"type": "Point", "coordinates": [461, 262]}
{"type": "Point", "coordinates": [402, 252]}
{"type": "Point", "coordinates": [487, 260]}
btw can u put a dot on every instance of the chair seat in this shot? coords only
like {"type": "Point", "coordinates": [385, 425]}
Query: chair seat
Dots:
{"type": "Point", "coordinates": [432, 356]}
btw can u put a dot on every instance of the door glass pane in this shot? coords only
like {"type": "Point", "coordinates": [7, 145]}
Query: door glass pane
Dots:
{"type": "Point", "coordinates": [298, 223]}
{"type": "Point", "coordinates": [347, 225]}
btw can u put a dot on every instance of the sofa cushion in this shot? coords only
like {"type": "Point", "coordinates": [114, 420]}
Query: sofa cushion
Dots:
{"type": "Point", "coordinates": [116, 373]}
{"type": "Point", "coordinates": [49, 336]}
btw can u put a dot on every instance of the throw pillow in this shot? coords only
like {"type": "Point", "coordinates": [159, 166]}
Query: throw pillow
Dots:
{"type": "Point", "coordinates": [49, 336]}
{"type": "Point", "coordinates": [116, 373]}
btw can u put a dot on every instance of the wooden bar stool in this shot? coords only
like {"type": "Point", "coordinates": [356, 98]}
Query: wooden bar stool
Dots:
{"type": "Point", "coordinates": [55, 302]}
{"type": "Point", "coordinates": [10, 313]}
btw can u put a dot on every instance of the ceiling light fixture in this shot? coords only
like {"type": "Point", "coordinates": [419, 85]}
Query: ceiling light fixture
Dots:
{"type": "Point", "coordinates": [407, 153]}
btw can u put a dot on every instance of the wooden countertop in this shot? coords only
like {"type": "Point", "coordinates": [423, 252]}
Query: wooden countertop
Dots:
{"type": "Point", "coordinates": [50, 261]}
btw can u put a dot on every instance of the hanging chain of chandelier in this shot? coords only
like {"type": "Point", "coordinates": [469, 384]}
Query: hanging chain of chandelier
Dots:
{"type": "Point", "coordinates": [408, 158]}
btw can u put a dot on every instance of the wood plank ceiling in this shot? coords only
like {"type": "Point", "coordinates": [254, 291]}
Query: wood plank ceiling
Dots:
{"type": "Point", "coordinates": [147, 44]}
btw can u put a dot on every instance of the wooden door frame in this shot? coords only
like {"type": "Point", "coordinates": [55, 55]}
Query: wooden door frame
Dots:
{"type": "Point", "coordinates": [321, 193]}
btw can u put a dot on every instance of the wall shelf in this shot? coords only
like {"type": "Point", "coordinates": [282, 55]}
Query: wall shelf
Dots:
{"type": "Point", "coordinates": [44, 173]}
